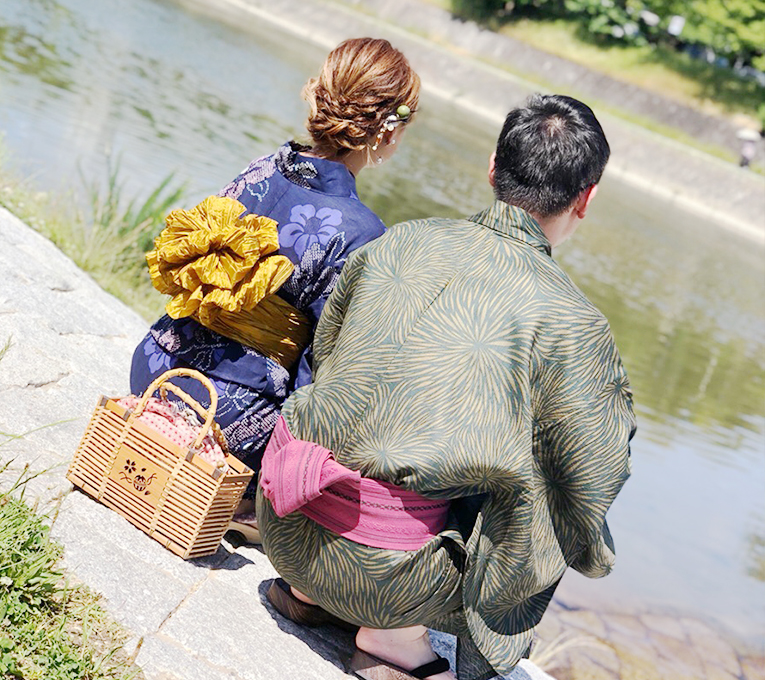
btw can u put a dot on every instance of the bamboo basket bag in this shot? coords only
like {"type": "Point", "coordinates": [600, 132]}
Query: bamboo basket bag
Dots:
{"type": "Point", "coordinates": [167, 491]}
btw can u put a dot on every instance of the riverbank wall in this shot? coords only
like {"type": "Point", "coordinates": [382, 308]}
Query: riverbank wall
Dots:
{"type": "Point", "coordinates": [531, 63]}
{"type": "Point", "coordinates": [464, 67]}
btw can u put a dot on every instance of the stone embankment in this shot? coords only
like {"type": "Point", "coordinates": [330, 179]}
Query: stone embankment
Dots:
{"type": "Point", "coordinates": [461, 63]}
{"type": "Point", "coordinates": [203, 619]}
{"type": "Point", "coordinates": [558, 73]}
{"type": "Point", "coordinates": [616, 644]}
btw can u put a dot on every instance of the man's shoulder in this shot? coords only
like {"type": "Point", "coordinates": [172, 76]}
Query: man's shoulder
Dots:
{"type": "Point", "coordinates": [552, 298]}
{"type": "Point", "coordinates": [429, 223]}
{"type": "Point", "coordinates": [569, 301]}
{"type": "Point", "coordinates": [428, 232]}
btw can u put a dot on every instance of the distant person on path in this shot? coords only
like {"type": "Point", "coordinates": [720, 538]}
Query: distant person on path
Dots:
{"type": "Point", "coordinates": [467, 427]}
{"type": "Point", "coordinates": [254, 339]}
{"type": "Point", "coordinates": [748, 151]}
{"type": "Point", "coordinates": [749, 139]}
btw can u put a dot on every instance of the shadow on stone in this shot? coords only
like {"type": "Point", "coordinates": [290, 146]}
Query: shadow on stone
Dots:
{"type": "Point", "coordinates": [332, 643]}
{"type": "Point", "coordinates": [223, 559]}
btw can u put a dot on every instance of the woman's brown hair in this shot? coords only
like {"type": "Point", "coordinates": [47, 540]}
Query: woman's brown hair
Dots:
{"type": "Point", "coordinates": [362, 81]}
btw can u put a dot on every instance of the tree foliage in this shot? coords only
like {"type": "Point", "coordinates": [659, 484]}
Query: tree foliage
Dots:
{"type": "Point", "coordinates": [733, 29]}
{"type": "Point", "coordinates": [477, 9]}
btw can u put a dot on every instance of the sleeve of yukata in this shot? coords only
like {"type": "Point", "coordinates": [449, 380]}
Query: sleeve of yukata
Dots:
{"type": "Point", "coordinates": [584, 422]}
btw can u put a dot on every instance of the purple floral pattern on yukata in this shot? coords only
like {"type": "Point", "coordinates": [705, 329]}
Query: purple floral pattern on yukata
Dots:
{"type": "Point", "coordinates": [308, 226]}
{"type": "Point", "coordinates": [316, 274]}
{"type": "Point", "coordinates": [157, 357]}
{"type": "Point", "coordinates": [254, 177]}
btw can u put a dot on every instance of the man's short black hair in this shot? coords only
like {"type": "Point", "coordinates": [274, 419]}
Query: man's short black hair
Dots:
{"type": "Point", "coordinates": [548, 152]}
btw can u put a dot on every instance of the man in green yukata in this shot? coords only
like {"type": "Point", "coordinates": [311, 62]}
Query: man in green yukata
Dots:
{"type": "Point", "coordinates": [455, 359]}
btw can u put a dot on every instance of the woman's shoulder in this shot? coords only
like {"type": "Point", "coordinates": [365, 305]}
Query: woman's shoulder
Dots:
{"type": "Point", "coordinates": [343, 223]}
{"type": "Point", "coordinates": [358, 213]}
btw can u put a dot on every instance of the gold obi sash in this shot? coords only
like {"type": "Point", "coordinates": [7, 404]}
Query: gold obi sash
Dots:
{"type": "Point", "coordinates": [221, 270]}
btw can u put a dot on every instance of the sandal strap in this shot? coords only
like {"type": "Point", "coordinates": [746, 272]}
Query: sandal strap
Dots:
{"type": "Point", "coordinates": [440, 665]}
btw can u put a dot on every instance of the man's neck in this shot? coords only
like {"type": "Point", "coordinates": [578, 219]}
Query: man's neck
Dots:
{"type": "Point", "coordinates": [559, 227]}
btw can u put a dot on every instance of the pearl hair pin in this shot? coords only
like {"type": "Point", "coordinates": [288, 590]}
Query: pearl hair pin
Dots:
{"type": "Point", "coordinates": [391, 122]}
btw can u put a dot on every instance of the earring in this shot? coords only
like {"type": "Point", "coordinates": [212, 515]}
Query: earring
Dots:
{"type": "Point", "coordinates": [379, 139]}
{"type": "Point", "coordinates": [379, 160]}
{"type": "Point", "coordinates": [389, 125]}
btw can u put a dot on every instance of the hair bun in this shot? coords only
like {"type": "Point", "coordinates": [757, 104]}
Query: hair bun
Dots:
{"type": "Point", "coordinates": [360, 83]}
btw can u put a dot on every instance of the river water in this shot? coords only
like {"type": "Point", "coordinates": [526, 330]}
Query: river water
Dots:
{"type": "Point", "coordinates": [164, 90]}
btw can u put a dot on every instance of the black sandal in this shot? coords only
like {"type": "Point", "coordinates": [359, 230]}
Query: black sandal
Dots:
{"type": "Point", "coordinates": [369, 667]}
{"type": "Point", "coordinates": [280, 596]}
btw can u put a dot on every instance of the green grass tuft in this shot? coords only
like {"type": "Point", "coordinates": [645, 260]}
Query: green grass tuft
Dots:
{"type": "Point", "coordinates": [49, 629]}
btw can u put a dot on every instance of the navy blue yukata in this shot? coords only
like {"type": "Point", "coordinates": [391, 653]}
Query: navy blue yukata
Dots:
{"type": "Point", "coordinates": [320, 222]}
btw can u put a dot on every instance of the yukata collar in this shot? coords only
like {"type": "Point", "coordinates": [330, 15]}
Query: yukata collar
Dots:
{"type": "Point", "coordinates": [514, 222]}
{"type": "Point", "coordinates": [318, 174]}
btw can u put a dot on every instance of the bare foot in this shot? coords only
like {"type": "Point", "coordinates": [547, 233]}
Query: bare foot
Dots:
{"type": "Point", "coordinates": [405, 647]}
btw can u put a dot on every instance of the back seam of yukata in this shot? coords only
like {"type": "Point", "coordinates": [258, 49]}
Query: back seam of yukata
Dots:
{"type": "Point", "coordinates": [362, 414]}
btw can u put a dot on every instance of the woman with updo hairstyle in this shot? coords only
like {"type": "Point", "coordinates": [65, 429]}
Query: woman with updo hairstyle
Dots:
{"type": "Point", "coordinates": [281, 232]}
{"type": "Point", "coordinates": [362, 84]}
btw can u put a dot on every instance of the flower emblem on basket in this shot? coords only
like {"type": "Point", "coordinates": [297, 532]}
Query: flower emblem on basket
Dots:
{"type": "Point", "coordinates": [140, 482]}
{"type": "Point", "coordinates": [214, 259]}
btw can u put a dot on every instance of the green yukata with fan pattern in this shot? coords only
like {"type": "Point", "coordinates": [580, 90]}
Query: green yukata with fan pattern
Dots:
{"type": "Point", "coordinates": [456, 359]}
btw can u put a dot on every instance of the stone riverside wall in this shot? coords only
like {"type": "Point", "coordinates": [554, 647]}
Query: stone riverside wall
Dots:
{"type": "Point", "coordinates": [457, 66]}
{"type": "Point", "coordinates": [204, 619]}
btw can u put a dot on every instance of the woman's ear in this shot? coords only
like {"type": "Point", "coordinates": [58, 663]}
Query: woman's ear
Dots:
{"type": "Point", "coordinates": [492, 160]}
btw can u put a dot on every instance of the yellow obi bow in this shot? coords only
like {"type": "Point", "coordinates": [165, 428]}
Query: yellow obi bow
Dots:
{"type": "Point", "coordinates": [220, 269]}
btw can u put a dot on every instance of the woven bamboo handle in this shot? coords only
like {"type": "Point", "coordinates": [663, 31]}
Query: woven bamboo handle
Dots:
{"type": "Point", "coordinates": [159, 384]}
{"type": "Point", "coordinates": [199, 409]}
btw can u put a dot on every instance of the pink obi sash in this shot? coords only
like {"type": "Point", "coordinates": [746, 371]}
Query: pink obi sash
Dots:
{"type": "Point", "coordinates": [301, 475]}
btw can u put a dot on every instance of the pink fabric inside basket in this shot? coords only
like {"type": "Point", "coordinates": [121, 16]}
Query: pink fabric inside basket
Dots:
{"type": "Point", "coordinates": [178, 423]}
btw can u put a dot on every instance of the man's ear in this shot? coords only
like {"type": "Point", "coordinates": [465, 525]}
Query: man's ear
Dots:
{"type": "Point", "coordinates": [584, 200]}
{"type": "Point", "coordinates": [492, 160]}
